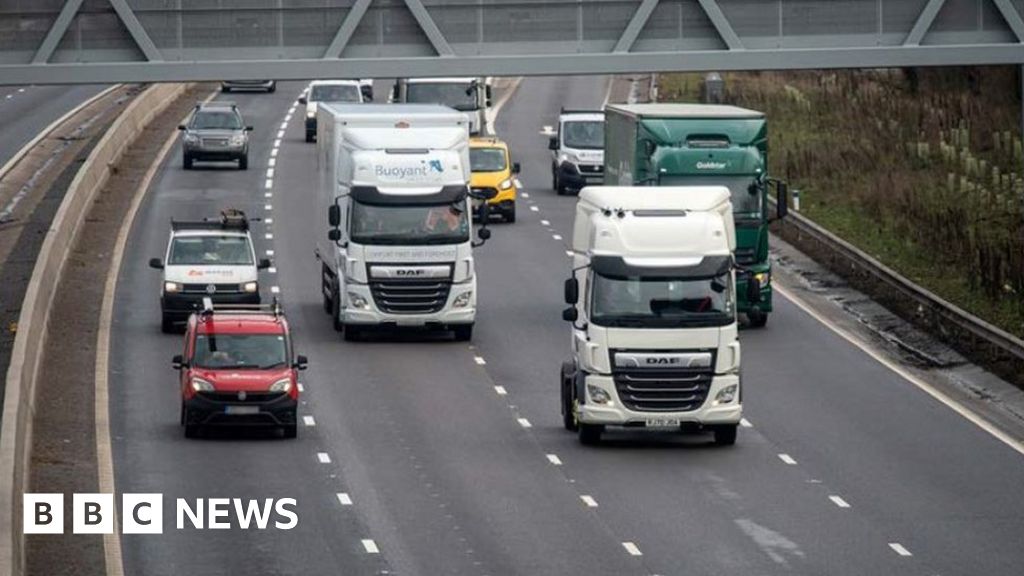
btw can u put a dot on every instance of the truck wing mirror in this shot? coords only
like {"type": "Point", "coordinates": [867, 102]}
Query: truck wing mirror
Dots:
{"type": "Point", "coordinates": [178, 362]}
{"type": "Point", "coordinates": [516, 168]}
{"type": "Point", "coordinates": [484, 234]}
{"type": "Point", "coordinates": [334, 215]}
{"type": "Point", "coordinates": [553, 143]}
{"type": "Point", "coordinates": [303, 100]}
{"type": "Point", "coordinates": [156, 263]}
{"type": "Point", "coordinates": [334, 235]}
{"type": "Point", "coordinates": [301, 362]}
{"type": "Point", "coordinates": [781, 200]}
{"type": "Point", "coordinates": [753, 290]}
{"type": "Point", "coordinates": [572, 291]}
{"type": "Point", "coordinates": [263, 264]}
{"type": "Point", "coordinates": [570, 314]}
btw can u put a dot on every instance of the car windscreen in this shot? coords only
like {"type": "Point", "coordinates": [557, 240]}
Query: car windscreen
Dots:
{"type": "Point", "coordinates": [210, 250]}
{"type": "Point", "coordinates": [418, 224]}
{"type": "Point", "coordinates": [458, 96]}
{"type": "Point", "coordinates": [745, 205]}
{"type": "Point", "coordinates": [487, 159]}
{"type": "Point", "coordinates": [240, 351]}
{"type": "Point", "coordinates": [335, 93]}
{"type": "Point", "coordinates": [583, 134]}
{"type": "Point", "coordinates": [658, 302]}
{"type": "Point", "coordinates": [216, 120]}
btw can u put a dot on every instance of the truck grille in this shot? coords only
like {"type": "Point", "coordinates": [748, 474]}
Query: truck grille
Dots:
{"type": "Point", "coordinates": [204, 289]}
{"type": "Point", "coordinates": [410, 296]}
{"type": "Point", "coordinates": [588, 169]}
{"type": "Point", "coordinates": [745, 256]}
{"type": "Point", "coordinates": [681, 388]}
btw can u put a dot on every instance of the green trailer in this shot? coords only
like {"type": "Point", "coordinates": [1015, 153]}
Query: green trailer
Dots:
{"type": "Point", "coordinates": [700, 145]}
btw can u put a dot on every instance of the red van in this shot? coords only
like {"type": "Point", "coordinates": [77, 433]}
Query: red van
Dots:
{"type": "Point", "coordinates": [238, 368]}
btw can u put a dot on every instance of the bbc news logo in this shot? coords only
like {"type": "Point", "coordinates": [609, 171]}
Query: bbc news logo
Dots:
{"type": "Point", "coordinates": [144, 514]}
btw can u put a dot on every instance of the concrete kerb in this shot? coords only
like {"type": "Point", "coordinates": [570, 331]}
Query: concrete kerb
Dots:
{"type": "Point", "coordinates": [19, 407]}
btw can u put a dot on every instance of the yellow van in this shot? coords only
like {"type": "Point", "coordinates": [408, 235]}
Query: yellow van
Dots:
{"type": "Point", "coordinates": [490, 162]}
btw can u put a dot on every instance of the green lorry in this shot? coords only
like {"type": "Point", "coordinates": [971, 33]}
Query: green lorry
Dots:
{"type": "Point", "coordinates": [698, 144]}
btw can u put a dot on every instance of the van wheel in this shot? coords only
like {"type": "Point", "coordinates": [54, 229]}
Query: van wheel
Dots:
{"type": "Point", "coordinates": [463, 332]}
{"type": "Point", "coordinates": [290, 431]}
{"type": "Point", "coordinates": [243, 162]}
{"type": "Point", "coordinates": [310, 136]}
{"type": "Point", "coordinates": [166, 324]}
{"type": "Point", "coordinates": [590, 434]}
{"type": "Point", "coordinates": [510, 215]}
{"type": "Point", "coordinates": [757, 319]}
{"type": "Point", "coordinates": [187, 161]}
{"type": "Point", "coordinates": [725, 435]}
{"type": "Point", "coordinates": [568, 409]}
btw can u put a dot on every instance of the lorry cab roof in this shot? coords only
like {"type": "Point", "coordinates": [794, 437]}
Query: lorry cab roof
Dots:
{"type": "Point", "coordinates": [581, 115]}
{"type": "Point", "coordinates": [682, 198]}
{"type": "Point", "coordinates": [446, 80]}
{"type": "Point", "coordinates": [716, 111]}
{"type": "Point", "coordinates": [387, 112]}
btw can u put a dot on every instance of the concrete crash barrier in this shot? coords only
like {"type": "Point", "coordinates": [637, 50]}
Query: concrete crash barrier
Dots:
{"type": "Point", "coordinates": [988, 346]}
{"type": "Point", "coordinates": [33, 322]}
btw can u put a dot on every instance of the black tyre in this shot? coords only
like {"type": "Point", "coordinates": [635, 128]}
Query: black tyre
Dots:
{"type": "Point", "coordinates": [310, 136]}
{"type": "Point", "coordinates": [336, 310]}
{"type": "Point", "coordinates": [187, 161]}
{"type": "Point", "coordinates": [272, 89]}
{"type": "Point", "coordinates": [225, 89]}
{"type": "Point", "coordinates": [325, 289]}
{"type": "Point", "coordinates": [181, 418]}
{"type": "Point", "coordinates": [757, 319]}
{"type": "Point", "coordinates": [726, 435]}
{"type": "Point", "coordinates": [568, 404]}
{"type": "Point", "coordinates": [166, 324]}
{"type": "Point", "coordinates": [191, 430]}
{"type": "Point", "coordinates": [590, 434]}
{"type": "Point", "coordinates": [560, 188]}
{"type": "Point", "coordinates": [463, 332]}
{"type": "Point", "coordinates": [510, 215]}
{"type": "Point", "coordinates": [290, 431]}
{"type": "Point", "coordinates": [243, 162]}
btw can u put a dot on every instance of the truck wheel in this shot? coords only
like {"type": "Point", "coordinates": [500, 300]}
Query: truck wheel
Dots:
{"type": "Point", "coordinates": [187, 161]}
{"type": "Point", "coordinates": [725, 435]}
{"type": "Point", "coordinates": [757, 319]}
{"type": "Point", "coordinates": [336, 311]}
{"type": "Point", "coordinates": [243, 162]}
{"type": "Point", "coordinates": [590, 434]}
{"type": "Point", "coordinates": [325, 289]}
{"type": "Point", "coordinates": [353, 333]}
{"type": "Point", "coordinates": [463, 332]}
{"type": "Point", "coordinates": [568, 408]}
{"type": "Point", "coordinates": [290, 430]}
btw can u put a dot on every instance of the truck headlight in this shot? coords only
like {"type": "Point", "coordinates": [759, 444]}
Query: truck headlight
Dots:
{"type": "Point", "coordinates": [172, 287]}
{"type": "Point", "coordinates": [200, 385]}
{"type": "Point", "coordinates": [238, 139]}
{"type": "Point", "coordinates": [765, 278]}
{"type": "Point", "coordinates": [462, 300]}
{"type": "Point", "coordinates": [282, 385]}
{"type": "Point", "coordinates": [250, 287]}
{"type": "Point", "coordinates": [598, 395]}
{"type": "Point", "coordinates": [505, 185]}
{"type": "Point", "coordinates": [357, 301]}
{"type": "Point", "coordinates": [727, 395]}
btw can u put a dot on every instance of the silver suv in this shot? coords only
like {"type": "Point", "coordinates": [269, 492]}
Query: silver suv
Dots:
{"type": "Point", "coordinates": [215, 132]}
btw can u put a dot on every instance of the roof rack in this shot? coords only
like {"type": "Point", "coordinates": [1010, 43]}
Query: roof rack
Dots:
{"type": "Point", "coordinates": [579, 111]}
{"type": "Point", "coordinates": [230, 219]}
{"type": "Point", "coordinates": [216, 104]}
{"type": "Point", "coordinates": [209, 308]}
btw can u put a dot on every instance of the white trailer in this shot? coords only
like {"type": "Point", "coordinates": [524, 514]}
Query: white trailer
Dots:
{"type": "Point", "coordinates": [653, 308]}
{"type": "Point", "coordinates": [394, 228]}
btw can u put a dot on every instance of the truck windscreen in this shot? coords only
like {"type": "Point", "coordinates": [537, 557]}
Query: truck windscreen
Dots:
{"type": "Point", "coordinates": [410, 225]}
{"type": "Point", "coordinates": [653, 302]}
{"type": "Point", "coordinates": [461, 97]}
{"type": "Point", "coordinates": [745, 206]}
{"type": "Point", "coordinates": [583, 135]}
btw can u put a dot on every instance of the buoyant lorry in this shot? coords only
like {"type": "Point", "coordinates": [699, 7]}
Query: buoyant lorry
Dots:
{"type": "Point", "coordinates": [394, 223]}
{"type": "Point", "coordinates": [704, 145]}
{"type": "Point", "coordinates": [469, 95]}
{"type": "Point", "coordinates": [652, 301]}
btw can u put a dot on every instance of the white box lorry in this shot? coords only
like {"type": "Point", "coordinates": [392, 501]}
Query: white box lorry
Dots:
{"type": "Point", "coordinates": [394, 226]}
{"type": "Point", "coordinates": [653, 307]}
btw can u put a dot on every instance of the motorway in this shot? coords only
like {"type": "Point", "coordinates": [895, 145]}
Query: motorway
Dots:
{"type": "Point", "coordinates": [423, 456]}
{"type": "Point", "coordinates": [27, 110]}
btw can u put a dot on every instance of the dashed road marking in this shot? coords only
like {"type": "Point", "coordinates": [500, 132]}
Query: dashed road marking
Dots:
{"type": "Point", "coordinates": [344, 498]}
{"type": "Point", "coordinates": [787, 459]}
{"type": "Point", "coordinates": [525, 194]}
{"type": "Point", "coordinates": [268, 195]}
{"type": "Point", "coordinates": [839, 501]}
{"type": "Point", "coordinates": [556, 236]}
{"type": "Point", "coordinates": [545, 223]}
{"type": "Point", "coordinates": [273, 153]}
{"type": "Point", "coordinates": [479, 360]}
{"type": "Point", "coordinates": [554, 459]}
{"type": "Point", "coordinates": [323, 457]}
{"type": "Point", "coordinates": [568, 253]}
{"type": "Point", "coordinates": [272, 162]}
{"type": "Point", "coordinates": [270, 173]}
{"type": "Point", "coordinates": [308, 421]}
{"type": "Point", "coordinates": [269, 236]}
{"type": "Point", "coordinates": [518, 183]}
{"type": "Point", "coordinates": [272, 270]}
{"type": "Point", "coordinates": [268, 207]}
{"type": "Point", "coordinates": [280, 133]}
{"type": "Point", "coordinates": [270, 252]}
{"type": "Point", "coordinates": [370, 546]}
{"type": "Point", "coordinates": [589, 501]}
{"type": "Point", "coordinates": [899, 549]}
{"type": "Point", "coordinates": [275, 289]}
{"type": "Point", "coordinates": [287, 119]}
{"type": "Point", "coordinates": [301, 387]}
{"type": "Point", "coordinates": [269, 183]}
{"type": "Point", "coordinates": [501, 390]}
{"type": "Point", "coordinates": [284, 124]}
{"type": "Point", "coordinates": [277, 143]}
{"type": "Point", "coordinates": [632, 549]}
{"type": "Point", "coordinates": [534, 209]}
{"type": "Point", "coordinates": [746, 423]}
{"type": "Point", "coordinates": [524, 423]}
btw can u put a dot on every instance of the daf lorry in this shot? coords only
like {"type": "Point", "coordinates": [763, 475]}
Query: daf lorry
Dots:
{"type": "Point", "coordinates": [471, 96]}
{"type": "Point", "coordinates": [652, 300]}
{"type": "Point", "coordinates": [704, 145]}
{"type": "Point", "coordinates": [394, 221]}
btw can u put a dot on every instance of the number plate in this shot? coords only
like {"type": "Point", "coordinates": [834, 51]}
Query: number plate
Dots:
{"type": "Point", "coordinates": [241, 410]}
{"type": "Point", "coordinates": [662, 422]}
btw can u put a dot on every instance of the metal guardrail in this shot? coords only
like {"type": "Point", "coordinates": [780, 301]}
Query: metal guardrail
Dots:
{"type": "Point", "coordinates": [986, 345]}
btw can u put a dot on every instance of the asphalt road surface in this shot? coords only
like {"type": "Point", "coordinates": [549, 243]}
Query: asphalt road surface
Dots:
{"type": "Point", "coordinates": [27, 110]}
{"type": "Point", "coordinates": [453, 456]}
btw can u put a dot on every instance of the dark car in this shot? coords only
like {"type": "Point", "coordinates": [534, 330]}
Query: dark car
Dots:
{"type": "Point", "coordinates": [215, 132]}
{"type": "Point", "coordinates": [268, 85]}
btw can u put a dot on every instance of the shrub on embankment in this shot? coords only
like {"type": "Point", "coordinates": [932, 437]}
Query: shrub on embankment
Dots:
{"type": "Point", "coordinates": [922, 168]}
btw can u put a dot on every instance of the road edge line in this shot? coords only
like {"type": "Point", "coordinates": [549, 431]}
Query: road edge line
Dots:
{"type": "Point", "coordinates": [104, 446]}
{"type": "Point", "coordinates": [925, 387]}
{"type": "Point", "coordinates": [496, 109]}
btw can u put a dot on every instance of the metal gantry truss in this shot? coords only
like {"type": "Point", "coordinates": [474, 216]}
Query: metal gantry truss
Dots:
{"type": "Point", "coordinates": [46, 41]}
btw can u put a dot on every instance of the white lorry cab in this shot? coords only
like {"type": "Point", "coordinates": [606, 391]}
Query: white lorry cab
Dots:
{"type": "Point", "coordinates": [211, 259]}
{"type": "Point", "coordinates": [394, 229]}
{"type": "Point", "coordinates": [469, 95]}
{"type": "Point", "coordinates": [653, 310]}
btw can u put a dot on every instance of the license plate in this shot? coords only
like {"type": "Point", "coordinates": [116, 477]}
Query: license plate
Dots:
{"type": "Point", "coordinates": [241, 410]}
{"type": "Point", "coordinates": [662, 422]}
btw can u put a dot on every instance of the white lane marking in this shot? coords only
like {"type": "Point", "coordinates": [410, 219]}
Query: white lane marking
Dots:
{"type": "Point", "coordinates": [270, 173]}
{"type": "Point", "coordinates": [277, 143]}
{"type": "Point", "coordinates": [268, 207]}
{"type": "Point", "coordinates": [921, 384]}
{"type": "Point", "coordinates": [275, 289]}
{"type": "Point", "coordinates": [344, 498]}
{"type": "Point", "coordinates": [9, 96]}
{"type": "Point", "coordinates": [268, 195]}
{"type": "Point", "coordinates": [534, 208]}
{"type": "Point", "coordinates": [556, 236]}
{"type": "Point", "coordinates": [746, 423]}
{"type": "Point", "coordinates": [524, 423]}
{"type": "Point", "coordinates": [632, 549]}
{"type": "Point", "coordinates": [273, 153]}
{"type": "Point", "coordinates": [269, 183]}
{"type": "Point", "coordinates": [287, 118]}
{"type": "Point", "coordinates": [787, 459]}
{"type": "Point", "coordinates": [554, 459]}
{"type": "Point", "coordinates": [268, 221]}
{"type": "Point", "coordinates": [284, 124]}
{"type": "Point", "coordinates": [500, 390]}
{"type": "Point", "coordinates": [272, 162]}
{"type": "Point", "coordinates": [479, 360]}
{"type": "Point", "coordinates": [20, 90]}
{"type": "Point", "coordinates": [568, 253]}
{"type": "Point", "coordinates": [301, 387]}
{"type": "Point", "coordinates": [548, 130]}
{"type": "Point", "coordinates": [272, 270]}
{"type": "Point", "coordinates": [268, 236]}
{"type": "Point", "coordinates": [323, 457]}
{"type": "Point", "coordinates": [899, 549]}
{"type": "Point", "coordinates": [491, 116]}
{"type": "Point", "coordinates": [589, 501]}
{"type": "Point", "coordinates": [518, 183]}
{"type": "Point", "coordinates": [270, 252]}
{"type": "Point", "coordinates": [545, 223]}
{"type": "Point", "coordinates": [280, 133]}
{"type": "Point", "coordinates": [308, 421]}
{"type": "Point", "coordinates": [525, 194]}
{"type": "Point", "coordinates": [839, 501]}
{"type": "Point", "coordinates": [370, 546]}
